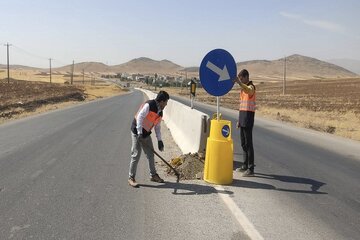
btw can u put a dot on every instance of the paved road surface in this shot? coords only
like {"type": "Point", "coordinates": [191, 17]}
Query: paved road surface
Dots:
{"type": "Point", "coordinates": [63, 176]}
{"type": "Point", "coordinates": [307, 184]}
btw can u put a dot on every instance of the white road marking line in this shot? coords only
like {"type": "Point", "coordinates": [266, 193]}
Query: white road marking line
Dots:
{"type": "Point", "coordinates": [239, 215]}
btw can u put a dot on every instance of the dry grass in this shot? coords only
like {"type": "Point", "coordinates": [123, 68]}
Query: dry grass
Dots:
{"type": "Point", "coordinates": [93, 92]}
{"type": "Point", "coordinates": [341, 124]}
{"type": "Point", "coordinates": [32, 75]}
{"type": "Point", "coordinates": [327, 105]}
{"type": "Point", "coordinates": [41, 109]}
{"type": "Point", "coordinates": [20, 99]}
{"type": "Point", "coordinates": [36, 75]}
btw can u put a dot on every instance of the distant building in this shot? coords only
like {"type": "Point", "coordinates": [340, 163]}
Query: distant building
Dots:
{"type": "Point", "coordinates": [139, 77]}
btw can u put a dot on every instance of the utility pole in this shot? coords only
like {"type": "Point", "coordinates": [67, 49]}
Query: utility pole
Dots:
{"type": "Point", "coordinates": [8, 66]}
{"type": "Point", "coordinates": [50, 68]}
{"type": "Point", "coordinates": [83, 72]}
{"type": "Point", "coordinates": [72, 73]}
{"type": "Point", "coordinates": [155, 80]}
{"type": "Point", "coordinates": [284, 82]}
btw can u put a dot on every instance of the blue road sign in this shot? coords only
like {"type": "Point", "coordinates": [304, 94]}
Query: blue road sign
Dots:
{"type": "Point", "coordinates": [217, 70]}
{"type": "Point", "coordinates": [225, 131]}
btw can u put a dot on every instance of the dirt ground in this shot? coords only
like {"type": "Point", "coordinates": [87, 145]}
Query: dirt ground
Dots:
{"type": "Point", "coordinates": [327, 105]}
{"type": "Point", "coordinates": [39, 76]}
{"type": "Point", "coordinates": [20, 98]}
{"type": "Point", "coordinates": [189, 166]}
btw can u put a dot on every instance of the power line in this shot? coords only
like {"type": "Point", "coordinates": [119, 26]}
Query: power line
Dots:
{"type": "Point", "coordinates": [60, 62]}
{"type": "Point", "coordinates": [38, 56]}
{"type": "Point", "coordinates": [54, 60]}
{"type": "Point", "coordinates": [29, 53]}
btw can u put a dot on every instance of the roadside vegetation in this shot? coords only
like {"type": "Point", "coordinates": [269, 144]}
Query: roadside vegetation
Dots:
{"type": "Point", "coordinates": [326, 105]}
{"type": "Point", "coordinates": [21, 98]}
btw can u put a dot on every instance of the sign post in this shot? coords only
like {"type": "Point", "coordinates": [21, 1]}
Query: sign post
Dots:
{"type": "Point", "coordinates": [217, 71]}
{"type": "Point", "coordinates": [192, 85]}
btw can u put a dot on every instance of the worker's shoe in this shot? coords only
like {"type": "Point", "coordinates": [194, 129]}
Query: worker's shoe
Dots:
{"type": "Point", "coordinates": [156, 178]}
{"type": "Point", "coordinates": [248, 173]}
{"type": "Point", "coordinates": [132, 182]}
{"type": "Point", "coordinates": [243, 168]}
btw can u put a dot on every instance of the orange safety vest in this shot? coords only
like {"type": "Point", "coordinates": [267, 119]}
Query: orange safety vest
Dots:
{"type": "Point", "coordinates": [151, 119]}
{"type": "Point", "coordinates": [247, 102]}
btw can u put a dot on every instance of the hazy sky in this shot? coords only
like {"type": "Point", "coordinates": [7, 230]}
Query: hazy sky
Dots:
{"type": "Point", "coordinates": [182, 31]}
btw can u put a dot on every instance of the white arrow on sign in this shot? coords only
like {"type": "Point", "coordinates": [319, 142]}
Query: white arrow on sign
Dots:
{"type": "Point", "coordinates": [226, 131]}
{"type": "Point", "coordinates": [223, 73]}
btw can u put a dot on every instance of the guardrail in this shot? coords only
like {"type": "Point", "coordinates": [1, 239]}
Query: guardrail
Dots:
{"type": "Point", "coordinates": [189, 127]}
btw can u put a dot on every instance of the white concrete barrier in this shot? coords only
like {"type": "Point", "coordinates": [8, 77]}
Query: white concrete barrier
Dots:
{"type": "Point", "coordinates": [189, 127]}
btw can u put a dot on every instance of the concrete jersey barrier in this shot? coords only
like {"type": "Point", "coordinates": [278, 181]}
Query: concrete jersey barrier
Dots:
{"type": "Point", "coordinates": [189, 127]}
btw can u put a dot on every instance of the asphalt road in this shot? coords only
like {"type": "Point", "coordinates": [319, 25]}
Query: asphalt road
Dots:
{"type": "Point", "coordinates": [307, 184]}
{"type": "Point", "coordinates": [63, 175]}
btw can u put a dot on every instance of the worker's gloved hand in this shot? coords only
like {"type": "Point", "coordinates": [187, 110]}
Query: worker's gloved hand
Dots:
{"type": "Point", "coordinates": [161, 145]}
{"type": "Point", "coordinates": [236, 79]}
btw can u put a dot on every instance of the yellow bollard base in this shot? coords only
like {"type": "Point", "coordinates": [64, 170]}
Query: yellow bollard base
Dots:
{"type": "Point", "coordinates": [219, 155]}
{"type": "Point", "coordinates": [219, 181]}
{"type": "Point", "coordinates": [219, 164]}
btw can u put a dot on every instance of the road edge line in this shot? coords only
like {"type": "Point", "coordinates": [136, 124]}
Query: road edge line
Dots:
{"type": "Point", "coordinates": [239, 215]}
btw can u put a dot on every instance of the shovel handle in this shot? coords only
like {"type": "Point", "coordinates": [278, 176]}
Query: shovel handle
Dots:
{"type": "Point", "coordinates": [176, 172]}
{"type": "Point", "coordinates": [171, 167]}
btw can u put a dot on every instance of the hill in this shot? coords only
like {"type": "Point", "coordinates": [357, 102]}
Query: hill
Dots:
{"type": "Point", "coordinates": [138, 65]}
{"type": "Point", "coordinates": [147, 65]}
{"type": "Point", "coordinates": [190, 69]}
{"type": "Point", "coordinates": [351, 64]}
{"type": "Point", "coordinates": [297, 67]}
{"type": "Point", "coordinates": [19, 67]}
{"type": "Point", "coordinates": [86, 66]}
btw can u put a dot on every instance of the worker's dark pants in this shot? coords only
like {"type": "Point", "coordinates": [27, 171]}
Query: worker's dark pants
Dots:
{"type": "Point", "coordinates": [247, 146]}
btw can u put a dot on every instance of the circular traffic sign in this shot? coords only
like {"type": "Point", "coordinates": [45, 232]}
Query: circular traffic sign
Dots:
{"type": "Point", "coordinates": [225, 131]}
{"type": "Point", "coordinates": [217, 70]}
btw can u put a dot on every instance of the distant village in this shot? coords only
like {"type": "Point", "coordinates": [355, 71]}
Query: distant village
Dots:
{"type": "Point", "coordinates": [160, 80]}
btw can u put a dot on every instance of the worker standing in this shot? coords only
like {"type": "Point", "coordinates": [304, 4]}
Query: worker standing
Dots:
{"type": "Point", "coordinates": [148, 116]}
{"type": "Point", "coordinates": [246, 121]}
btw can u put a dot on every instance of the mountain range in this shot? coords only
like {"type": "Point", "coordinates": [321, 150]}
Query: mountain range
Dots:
{"type": "Point", "coordinates": [297, 67]}
{"type": "Point", "coordinates": [350, 64]}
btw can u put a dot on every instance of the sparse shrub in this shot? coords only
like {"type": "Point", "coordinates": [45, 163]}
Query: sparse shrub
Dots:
{"type": "Point", "coordinates": [330, 129]}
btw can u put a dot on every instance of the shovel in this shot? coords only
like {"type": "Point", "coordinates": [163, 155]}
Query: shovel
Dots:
{"type": "Point", "coordinates": [174, 170]}
{"type": "Point", "coordinates": [171, 167]}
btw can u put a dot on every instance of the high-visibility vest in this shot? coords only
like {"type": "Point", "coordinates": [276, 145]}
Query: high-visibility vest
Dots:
{"type": "Point", "coordinates": [151, 119]}
{"type": "Point", "coordinates": [247, 102]}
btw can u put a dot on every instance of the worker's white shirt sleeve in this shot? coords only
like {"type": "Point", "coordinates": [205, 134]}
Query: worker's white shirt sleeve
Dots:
{"type": "Point", "coordinates": [158, 131]}
{"type": "Point", "coordinates": [140, 117]}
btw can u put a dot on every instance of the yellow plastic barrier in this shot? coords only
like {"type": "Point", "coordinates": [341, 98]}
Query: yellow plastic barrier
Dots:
{"type": "Point", "coordinates": [219, 153]}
